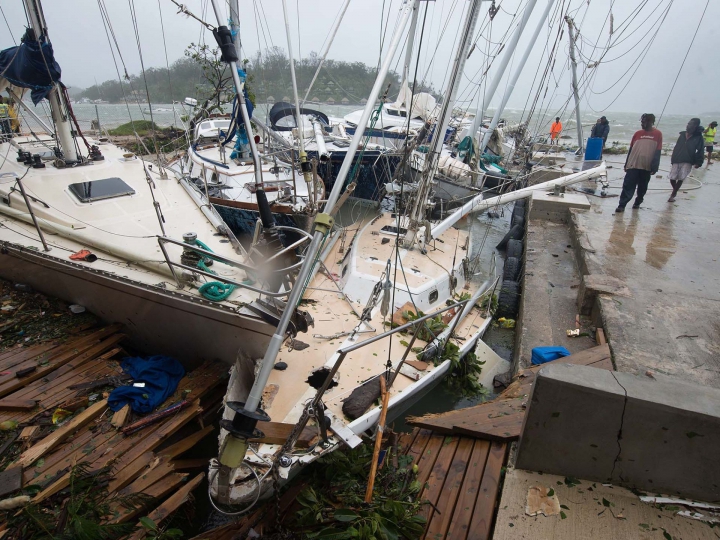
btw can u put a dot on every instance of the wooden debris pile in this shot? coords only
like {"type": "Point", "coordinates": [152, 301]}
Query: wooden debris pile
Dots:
{"type": "Point", "coordinates": [55, 419]}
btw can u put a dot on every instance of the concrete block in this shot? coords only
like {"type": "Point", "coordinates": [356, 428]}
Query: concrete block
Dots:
{"type": "Point", "coordinates": [594, 284]}
{"type": "Point", "coordinates": [547, 206]}
{"type": "Point", "coordinates": [652, 433]}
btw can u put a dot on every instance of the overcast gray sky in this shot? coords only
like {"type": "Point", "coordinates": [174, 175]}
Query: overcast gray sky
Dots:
{"type": "Point", "coordinates": [621, 81]}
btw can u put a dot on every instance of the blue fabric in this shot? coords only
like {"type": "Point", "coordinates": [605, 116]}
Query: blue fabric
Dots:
{"type": "Point", "coordinates": [31, 65]}
{"type": "Point", "coordinates": [540, 355]}
{"type": "Point", "coordinates": [161, 375]}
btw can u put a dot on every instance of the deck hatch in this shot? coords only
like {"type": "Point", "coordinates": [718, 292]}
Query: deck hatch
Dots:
{"type": "Point", "coordinates": [98, 190]}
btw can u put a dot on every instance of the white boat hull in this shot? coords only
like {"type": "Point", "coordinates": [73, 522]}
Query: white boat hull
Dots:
{"type": "Point", "coordinates": [158, 320]}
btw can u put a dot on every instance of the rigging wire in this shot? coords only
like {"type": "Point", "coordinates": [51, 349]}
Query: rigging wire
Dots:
{"type": "Point", "coordinates": [8, 25]}
{"type": "Point", "coordinates": [707, 3]}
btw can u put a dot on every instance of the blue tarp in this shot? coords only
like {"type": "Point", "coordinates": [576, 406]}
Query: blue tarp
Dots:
{"type": "Point", "coordinates": [31, 65]}
{"type": "Point", "coordinates": [540, 355]}
{"type": "Point", "coordinates": [161, 375]}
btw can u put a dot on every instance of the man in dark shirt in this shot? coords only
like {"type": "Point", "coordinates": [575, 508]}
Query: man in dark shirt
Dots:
{"type": "Point", "coordinates": [643, 160]}
{"type": "Point", "coordinates": [689, 152]}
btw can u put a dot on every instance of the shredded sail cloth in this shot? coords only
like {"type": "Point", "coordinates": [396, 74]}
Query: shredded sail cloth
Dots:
{"type": "Point", "coordinates": [30, 65]}
{"type": "Point", "coordinates": [158, 377]}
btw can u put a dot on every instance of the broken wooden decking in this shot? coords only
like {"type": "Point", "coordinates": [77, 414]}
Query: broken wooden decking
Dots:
{"type": "Point", "coordinates": [501, 419]}
{"type": "Point", "coordinates": [74, 374]}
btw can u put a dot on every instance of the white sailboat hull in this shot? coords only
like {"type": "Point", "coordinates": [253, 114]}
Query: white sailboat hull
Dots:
{"type": "Point", "coordinates": [157, 319]}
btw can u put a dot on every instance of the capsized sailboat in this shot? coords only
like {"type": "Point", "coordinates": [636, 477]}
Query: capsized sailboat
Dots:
{"type": "Point", "coordinates": [97, 226]}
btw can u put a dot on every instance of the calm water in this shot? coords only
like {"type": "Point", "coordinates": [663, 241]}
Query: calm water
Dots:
{"type": "Point", "coordinates": [622, 124]}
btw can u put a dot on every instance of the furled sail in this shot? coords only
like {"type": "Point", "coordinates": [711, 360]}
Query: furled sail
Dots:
{"type": "Point", "coordinates": [30, 65]}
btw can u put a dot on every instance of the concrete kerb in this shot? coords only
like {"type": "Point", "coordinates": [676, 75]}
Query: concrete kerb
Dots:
{"type": "Point", "coordinates": [658, 434]}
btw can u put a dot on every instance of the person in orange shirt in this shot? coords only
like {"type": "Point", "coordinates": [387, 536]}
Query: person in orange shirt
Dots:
{"type": "Point", "coordinates": [555, 130]}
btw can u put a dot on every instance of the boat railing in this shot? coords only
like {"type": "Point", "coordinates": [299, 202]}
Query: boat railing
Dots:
{"type": "Point", "coordinates": [253, 270]}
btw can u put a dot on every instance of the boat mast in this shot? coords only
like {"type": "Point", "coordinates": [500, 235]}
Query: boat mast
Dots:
{"type": "Point", "coordinates": [572, 37]}
{"type": "Point", "coordinates": [235, 24]}
{"type": "Point", "coordinates": [409, 45]}
{"type": "Point", "coordinates": [514, 79]}
{"type": "Point", "coordinates": [58, 106]}
{"type": "Point", "coordinates": [417, 214]}
{"type": "Point", "coordinates": [487, 96]}
{"type": "Point", "coordinates": [305, 167]}
{"type": "Point", "coordinates": [323, 223]}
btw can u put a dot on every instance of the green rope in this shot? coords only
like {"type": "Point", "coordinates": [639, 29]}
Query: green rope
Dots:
{"type": "Point", "coordinates": [214, 291]}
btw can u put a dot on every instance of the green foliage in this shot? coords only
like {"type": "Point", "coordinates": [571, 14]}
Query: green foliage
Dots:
{"type": "Point", "coordinates": [428, 330]}
{"type": "Point", "coordinates": [143, 127]}
{"type": "Point", "coordinates": [464, 372]}
{"type": "Point", "coordinates": [199, 72]}
{"type": "Point", "coordinates": [153, 532]}
{"type": "Point", "coordinates": [77, 513]}
{"type": "Point", "coordinates": [333, 504]}
{"type": "Point", "coordinates": [492, 300]}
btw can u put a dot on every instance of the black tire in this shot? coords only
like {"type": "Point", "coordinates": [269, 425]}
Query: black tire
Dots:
{"type": "Point", "coordinates": [520, 203]}
{"type": "Point", "coordinates": [508, 300]}
{"type": "Point", "coordinates": [518, 219]}
{"type": "Point", "coordinates": [515, 249]}
{"type": "Point", "coordinates": [518, 211]}
{"type": "Point", "coordinates": [515, 233]}
{"type": "Point", "coordinates": [511, 270]}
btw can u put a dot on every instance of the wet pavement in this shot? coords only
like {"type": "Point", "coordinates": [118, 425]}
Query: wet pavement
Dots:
{"type": "Point", "coordinates": [667, 255]}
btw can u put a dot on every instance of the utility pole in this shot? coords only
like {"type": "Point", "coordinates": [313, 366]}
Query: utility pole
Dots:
{"type": "Point", "coordinates": [572, 37]}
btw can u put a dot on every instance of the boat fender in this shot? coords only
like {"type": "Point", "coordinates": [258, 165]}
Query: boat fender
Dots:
{"type": "Point", "coordinates": [224, 39]}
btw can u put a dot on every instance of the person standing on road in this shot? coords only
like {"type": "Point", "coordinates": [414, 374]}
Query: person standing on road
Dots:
{"type": "Point", "coordinates": [601, 130]}
{"type": "Point", "coordinates": [709, 136]}
{"type": "Point", "coordinates": [555, 130]}
{"type": "Point", "coordinates": [689, 152]}
{"type": "Point", "coordinates": [643, 160]}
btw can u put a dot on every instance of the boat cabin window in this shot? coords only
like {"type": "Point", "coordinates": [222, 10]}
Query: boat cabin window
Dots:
{"type": "Point", "coordinates": [396, 112]}
{"type": "Point", "coordinates": [433, 296]}
{"type": "Point", "coordinates": [98, 190]}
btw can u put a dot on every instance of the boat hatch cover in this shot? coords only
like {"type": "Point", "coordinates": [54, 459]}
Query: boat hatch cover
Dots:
{"type": "Point", "coordinates": [97, 190]}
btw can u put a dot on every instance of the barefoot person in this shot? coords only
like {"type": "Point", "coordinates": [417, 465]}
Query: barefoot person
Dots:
{"type": "Point", "coordinates": [555, 130]}
{"type": "Point", "coordinates": [709, 135]}
{"type": "Point", "coordinates": [641, 163]}
{"type": "Point", "coordinates": [689, 152]}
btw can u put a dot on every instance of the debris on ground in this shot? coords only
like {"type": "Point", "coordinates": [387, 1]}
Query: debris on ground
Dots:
{"type": "Point", "coordinates": [542, 500]}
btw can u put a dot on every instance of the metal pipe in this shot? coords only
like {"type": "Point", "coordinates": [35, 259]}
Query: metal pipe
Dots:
{"type": "Point", "coordinates": [21, 103]}
{"type": "Point", "coordinates": [274, 136]}
{"type": "Point", "coordinates": [478, 204]}
{"type": "Point", "coordinates": [443, 121]}
{"type": "Point", "coordinates": [409, 47]}
{"type": "Point", "coordinates": [573, 63]}
{"type": "Point", "coordinates": [487, 96]}
{"type": "Point", "coordinates": [323, 153]}
{"type": "Point", "coordinates": [239, 87]}
{"type": "Point", "coordinates": [513, 81]}
{"type": "Point", "coordinates": [298, 117]}
{"type": "Point", "coordinates": [32, 215]}
{"type": "Point", "coordinates": [278, 337]}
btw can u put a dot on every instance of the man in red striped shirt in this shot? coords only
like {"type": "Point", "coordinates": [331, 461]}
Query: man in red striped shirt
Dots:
{"type": "Point", "coordinates": [643, 160]}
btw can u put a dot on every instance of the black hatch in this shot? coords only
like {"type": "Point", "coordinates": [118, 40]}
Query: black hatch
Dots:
{"type": "Point", "coordinates": [98, 190]}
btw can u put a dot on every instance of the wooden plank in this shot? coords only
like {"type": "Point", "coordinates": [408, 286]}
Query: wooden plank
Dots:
{"type": "Point", "coordinates": [417, 450]}
{"type": "Point", "coordinates": [130, 471]}
{"type": "Point", "coordinates": [120, 417]}
{"type": "Point", "coordinates": [405, 440]}
{"type": "Point", "coordinates": [182, 446]}
{"type": "Point", "coordinates": [28, 433]}
{"type": "Point", "coordinates": [445, 508]}
{"type": "Point", "coordinates": [81, 354]}
{"type": "Point", "coordinates": [482, 520]}
{"type": "Point", "coordinates": [436, 480]}
{"type": "Point", "coordinates": [176, 500]}
{"type": "Point", "coordinates": [600, 336]}
{"type": "Point", "coordinates": [22, 354]}
{"type": "Point", "coordinates": [148, 478]}
{"type": "Point", "coordinates": [10, 404]}
{"type": "Point", "coordinates": [466, 502]}
{"type": "Point", "coordinates": [278, 432]}
{"type": "Point", "coordinates": [198, 463]}
{"type": "Point", "coordinates": [427, 459]}
{"type": "Point", "coordinates": [158, 490]}
{"type": "Point", "coordinates": [10, 480]}
{"type": "Point", "coordinates": [35, 452]}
